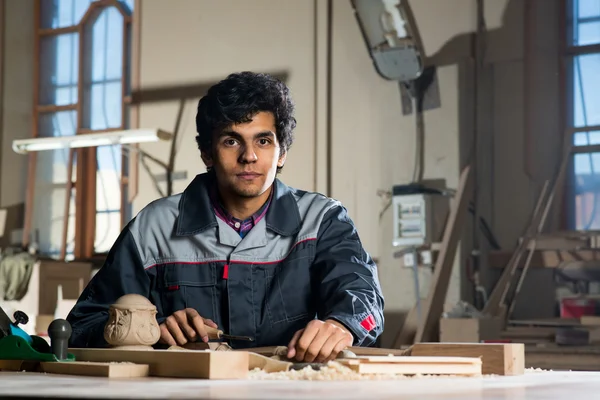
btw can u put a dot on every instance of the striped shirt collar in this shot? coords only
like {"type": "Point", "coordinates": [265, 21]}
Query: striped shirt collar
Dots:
{"type": "Point", "coordinates": [240, 226]}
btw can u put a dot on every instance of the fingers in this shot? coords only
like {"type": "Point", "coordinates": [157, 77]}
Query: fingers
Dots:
{"type": "Point", "coordinates": [184, 326]}
{"type": "Point", "coordinates": [319, 342]}
{"type": "Point", "coordinates": [292, 345]}
{"type": "Point", "coordinates": [183, 320]}
{"type": "Point", "coordinates": [198, 323]}
{"type": "Point", "coordinates": [341, 345]}
{"type": "Point", "coordinates": [175, 331]}
{"type": "Point", "coordinates": [165, 336]}
{"type": "Point", "coordinates": [315, 348]}
{"type": "Point", "coordinates": [310, 332]}
{"type": "Point", "coordinates": [209, 322]}
{"type": "Point", "coordinates": [327, 352]}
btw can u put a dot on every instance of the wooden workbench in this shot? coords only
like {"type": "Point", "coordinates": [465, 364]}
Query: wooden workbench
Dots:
{"type": "Point", "coordinates": [532, 385]}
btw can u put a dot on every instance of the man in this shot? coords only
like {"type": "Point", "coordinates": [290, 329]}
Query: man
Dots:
{"type": "Point", "coordinates": [240, 250]}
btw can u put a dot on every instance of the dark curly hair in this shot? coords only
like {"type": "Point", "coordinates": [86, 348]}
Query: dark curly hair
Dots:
{"type": "Point", "coordinates": [239, 97]}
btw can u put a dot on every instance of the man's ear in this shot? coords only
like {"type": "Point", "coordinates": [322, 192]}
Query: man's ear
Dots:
{"type": "Point", "coordinates": [207, 158]}
{"type": "Point", "coordinates": [282, 159]}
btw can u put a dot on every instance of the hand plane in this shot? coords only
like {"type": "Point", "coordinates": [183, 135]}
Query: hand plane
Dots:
{"type": "Point", "coordinates": [16, 344]}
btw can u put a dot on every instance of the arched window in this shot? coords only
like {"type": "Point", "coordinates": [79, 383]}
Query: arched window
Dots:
{"type": "Point", "coordinates": [78, 199]}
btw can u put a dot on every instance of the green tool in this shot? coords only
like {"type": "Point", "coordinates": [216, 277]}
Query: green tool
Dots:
{"type": "Point", "coordinates": [16, 344]}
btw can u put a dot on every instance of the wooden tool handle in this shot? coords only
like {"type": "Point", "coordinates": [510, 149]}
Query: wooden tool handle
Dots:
{"type": "Point", "coordinates": [213, 333]}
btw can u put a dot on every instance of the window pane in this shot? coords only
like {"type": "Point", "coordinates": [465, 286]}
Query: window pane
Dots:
{"type": "Point", "coordinates": [62, 123]}
{"type": "Point", "coordinates": [586, 138]}
{"type": "Point", "coordinates": [586, 90]}
{"type": "Point", "coordinates": [103, 84]}
{"type": "Point", "coordinates": [59, 70]}
{"type": "Point", "coordinates": [587, 191]}
{"type": "Point", "coordinates": [588, 8]}
{"type": "Point", "coordinates": [588, 33]}
{"type": "Point", "coordinates": [48, 219]}
{"type": "Point", "coordinates": [62, 13]}
{"type": "Point", "coordinates": [108, 197]}
{"type": "Point", "coordinates": [51, 178]}
{"type": "Point", "coordinates": [583, 22]}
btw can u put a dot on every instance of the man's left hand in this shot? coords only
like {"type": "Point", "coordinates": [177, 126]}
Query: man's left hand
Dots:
{"type": "Point", "coordinates": [320, 341]}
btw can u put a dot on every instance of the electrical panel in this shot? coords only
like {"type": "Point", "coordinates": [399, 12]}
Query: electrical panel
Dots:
{"type": "Point", "coordinates": [419, 218]}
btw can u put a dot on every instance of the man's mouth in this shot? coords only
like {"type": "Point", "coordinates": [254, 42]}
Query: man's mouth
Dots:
{"type": "Point", "coordinates": [248, 175]}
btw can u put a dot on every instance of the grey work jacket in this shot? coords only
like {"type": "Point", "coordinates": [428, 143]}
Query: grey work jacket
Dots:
{"type": "Point", "coordinates": [304, 260]}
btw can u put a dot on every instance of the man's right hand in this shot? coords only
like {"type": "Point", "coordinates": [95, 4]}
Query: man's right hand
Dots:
{"type": "Point", "coordinates": [184, 326]}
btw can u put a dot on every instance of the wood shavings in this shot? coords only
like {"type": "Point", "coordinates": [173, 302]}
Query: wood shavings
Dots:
{"type": "Point", "coordinates": [535, 370]}
{"type": "Point", "coordinates": [334, 371]}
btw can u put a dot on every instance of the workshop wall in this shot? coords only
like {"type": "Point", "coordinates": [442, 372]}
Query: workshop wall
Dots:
{"type": "Point", "coordinates": [202, 42]}
{"type": "Point", "coordinates": [372, 142]}
{"type": "Point", "coordinates": [518, 138]}
{"type": "Point", "coordinates": [17, 100]}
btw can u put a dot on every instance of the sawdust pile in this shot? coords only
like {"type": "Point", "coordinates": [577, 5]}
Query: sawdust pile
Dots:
{"type": "Point", "coordinates": [334, 371]}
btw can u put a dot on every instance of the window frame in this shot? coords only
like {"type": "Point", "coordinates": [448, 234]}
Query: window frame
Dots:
{"type": "Point", "coordinates": [568, 52]}
{"type": "Point", "coordinates": [85, 182]}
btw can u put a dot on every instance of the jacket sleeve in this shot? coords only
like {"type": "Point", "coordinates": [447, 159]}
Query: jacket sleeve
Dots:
{"type": "Point", "coordinates": [122, 273]}
{"type": "Point", "coordinates": [349, 288]}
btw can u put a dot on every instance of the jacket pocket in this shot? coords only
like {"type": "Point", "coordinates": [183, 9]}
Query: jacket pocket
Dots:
{"type": "Point", "coordinates": [190, 286]}
{"type": "Point", "coordinates": [289, 293]}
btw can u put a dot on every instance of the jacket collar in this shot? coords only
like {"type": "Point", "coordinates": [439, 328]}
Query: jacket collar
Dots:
{"type": "Point", "coordinates": [196, 212]}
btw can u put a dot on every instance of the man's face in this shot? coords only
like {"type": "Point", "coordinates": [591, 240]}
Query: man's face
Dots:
{"type": "Point", "coordinates": [245, 156]}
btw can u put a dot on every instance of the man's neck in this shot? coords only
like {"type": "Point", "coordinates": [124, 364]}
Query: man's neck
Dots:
{"type": "Point", "coordinates": [243, 207]}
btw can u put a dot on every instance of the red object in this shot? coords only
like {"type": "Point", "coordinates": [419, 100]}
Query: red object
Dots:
{"type": "Point", "coordinates": [226, 271]}
{"type": "Point", "coordinates": [577, 307]}
{"type": "Point", "coordinates": [368, 323]}
{"type": "Point", "coordinates": [173, 287]}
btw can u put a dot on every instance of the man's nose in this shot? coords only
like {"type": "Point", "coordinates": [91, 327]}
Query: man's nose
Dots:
{"type": "Point", "coordinates": [248, 155]}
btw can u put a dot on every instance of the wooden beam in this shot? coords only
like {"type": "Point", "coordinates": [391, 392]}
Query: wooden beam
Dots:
{"type": "Point", "coordinates": [175, 364]}
{"type": "Point", "coordinates": [181, 92]}
{"type": "Point", "coordinates": [546, 258]}
{"type": "Point", "coordinates": [497, 358]}
{"type": "Point", "coordinates": [105, 369]}
{"type": "Point", "coordinates": [434, 305]}
{"type": "Point", "coordinates": [495, 303]}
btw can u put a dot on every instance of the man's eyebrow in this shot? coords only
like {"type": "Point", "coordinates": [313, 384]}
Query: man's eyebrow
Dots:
{"type": "Point", "coordinates": [237, 135]}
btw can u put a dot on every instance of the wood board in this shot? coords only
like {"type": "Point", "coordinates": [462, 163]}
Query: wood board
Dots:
{"type": "Point", "coordinates": [80, 368]}
{"type": "Point", "coordinates": [497, 358]}
{"type": "Point", "coordinates": [414, 365]}
{"type": "Point", "coordinates": [175, 364]}
{"type": "Point", "coordinates": [86, 368]}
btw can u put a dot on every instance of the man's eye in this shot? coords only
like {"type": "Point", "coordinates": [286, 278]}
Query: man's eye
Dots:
{"type": "Point", "coordinates": [264, 142]}
{"type": "Point", "coordinates": [229, 142]}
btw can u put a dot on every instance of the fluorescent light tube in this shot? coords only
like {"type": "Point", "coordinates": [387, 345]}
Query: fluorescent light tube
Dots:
{"type": "Point", "coordinates": [90, 140]}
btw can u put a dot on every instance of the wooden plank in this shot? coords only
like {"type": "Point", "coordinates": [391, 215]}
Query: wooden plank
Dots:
{"type": "Point", "coordinates": [497, 358]}
{"type": "Point", "coordinates": [413, 359]}
{"type": "Point", "coordinates": [105, 369]}
{"type": "Point", "coordinates": [546, 258]}
{"type": "Point", "coordinates": [470, 330]}
{"type": "Point", "coordinates": [433, 306]}
{"type": "Point", "coordinates": [495, 302]}
{"type": "Point", "coordinates": [412, 365]}
{"type": "Point", "coordinates": [589, 320]}
{"type": "Point", "coordinates": [176, 364]}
